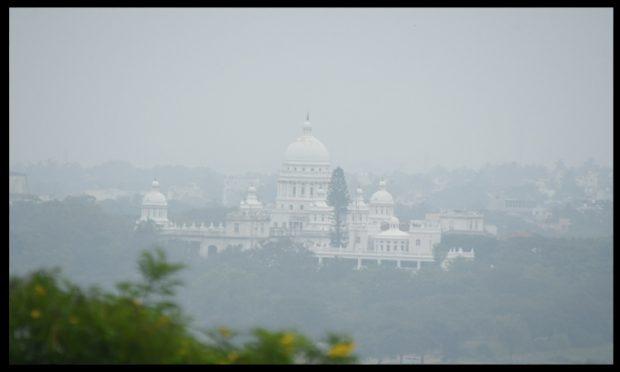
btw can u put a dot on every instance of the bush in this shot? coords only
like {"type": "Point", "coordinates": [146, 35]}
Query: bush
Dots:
{"type": "Point", "coordinates": [51, 320]}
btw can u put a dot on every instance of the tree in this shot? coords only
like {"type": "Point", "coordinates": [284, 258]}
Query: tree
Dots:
{"type": "Point", "coordinates": [338, 198]}
{"type": "Point", "coordinates": [54, 321]}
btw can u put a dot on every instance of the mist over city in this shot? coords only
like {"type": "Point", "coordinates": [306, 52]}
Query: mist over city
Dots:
{"type": "Point", "coordinates": [310, 186]}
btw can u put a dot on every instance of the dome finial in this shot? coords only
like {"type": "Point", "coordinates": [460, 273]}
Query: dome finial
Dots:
{"type": "Point", "coordinates": [307, 127]}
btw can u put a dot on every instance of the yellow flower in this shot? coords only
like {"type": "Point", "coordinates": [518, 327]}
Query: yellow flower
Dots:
{"type": "Point", "coordinates": [39, 290]}
{"type": "Point", "coordinates": [73, 319]}
{"type": "Point", "coordinates": [35, 314]}
{"type": "Point", "coordinates": [287, 340]}
{"type": "Point", "coordinates": [137, 302]}
{"type": "Point", "coordinates": [225, 332]}
{"type": "Point", "coordinates": [232, 356]}
{"type": "Point", "coordinates": [341, 350]}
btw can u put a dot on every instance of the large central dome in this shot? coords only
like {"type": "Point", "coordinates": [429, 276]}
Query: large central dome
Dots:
{"type": "Point", "coordinates": [306, 149]}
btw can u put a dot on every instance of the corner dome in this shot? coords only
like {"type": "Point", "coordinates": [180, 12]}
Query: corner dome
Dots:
{"type": "Point", "coordinates": [382, 196]}
{"type": "Point", "coordinates": [306, 149]}
{"type": "Point", "coordinates": [394, 221]}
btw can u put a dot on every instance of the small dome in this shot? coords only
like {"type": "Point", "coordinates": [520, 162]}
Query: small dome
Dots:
{"type": "Point", "coordinates": [154, 197]}
{"type": "Point", "coordinates": [306, 149]}
{"type": "Point", "coordinates": [251, 198]}
{"type": "Point", "coordinates": [382, 196]}
{"type": "Point", "coordinates": [359, 202]}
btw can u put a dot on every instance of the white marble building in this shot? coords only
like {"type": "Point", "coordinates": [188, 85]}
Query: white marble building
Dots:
{"type": "Point", "coordinates": [154, 206]}
{"type": "Point", "coordinates": [18, 183]}
{"type": "Point", "coordinates": [462, 222]}
{"type": "Point", "coordinates": [301, 212]}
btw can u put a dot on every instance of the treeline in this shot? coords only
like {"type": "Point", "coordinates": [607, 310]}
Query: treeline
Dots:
{"type": "Point", "coordinates": [523, 299]}
{"type": "Point", "coordinates": [518, 298]}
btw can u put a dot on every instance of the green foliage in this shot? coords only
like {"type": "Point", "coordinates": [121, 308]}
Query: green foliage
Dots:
{"type": "Point", "coordinates": [54, 321]}
{"type": "Point", "coordinates": [558, 290]}
{"type": "Point", "coordinates": [73, 234]}
{"type": "Point", "coordinates": [338, 198]}
{"type": "Point", "coordinates": [157, 284]}
{"type": "Point", "coordinates": [518, 297]}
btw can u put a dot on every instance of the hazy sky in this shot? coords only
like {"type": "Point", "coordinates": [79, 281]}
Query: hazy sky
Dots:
{"type": "Point", "coordinates": [387, 88]}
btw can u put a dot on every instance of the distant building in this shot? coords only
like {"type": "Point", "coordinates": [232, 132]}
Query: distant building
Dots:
{"type": "Point", "coordinates": [590, 185]}
{"type": "Point", "coordinates": [301, 213]}
{"type": "Point", "coordinates": [18, 184]}
{"type": "Point", "coordinates": [457, 221]}
{"type": "Point", "coordinates": [155, 206]}
{"type": "Point", "coordinates": [515, 205]}
{"type": "Point", "coordinates": [18, 188]}
{"type": "Point", "coordinates": [559, 227]}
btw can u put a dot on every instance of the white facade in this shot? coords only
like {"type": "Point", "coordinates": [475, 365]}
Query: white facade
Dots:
{"type": "Point", "coordinates": [305, 170]}
{"type": "Point", "coordinates": [18, 183]}
{"type": "Point", "coordinates": [155, 206]}
{"type": "Point", "coordinates": [301, 212]}
{"type": "Point", "coordinates": [459, 221]}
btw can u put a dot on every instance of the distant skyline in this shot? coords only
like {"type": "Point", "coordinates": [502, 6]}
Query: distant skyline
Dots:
{"type": "Point", "coordinates": [387, 89]}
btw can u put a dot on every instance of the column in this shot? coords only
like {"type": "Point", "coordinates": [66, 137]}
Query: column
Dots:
{"type": "Point", "coordinates": [359, 263]}
{"type": "Point", "coordinates": [398, 263]}
{"type": "Point", "coordinates": [418, 264]}
{"type": "Point", "coordinates": [320, 260]}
